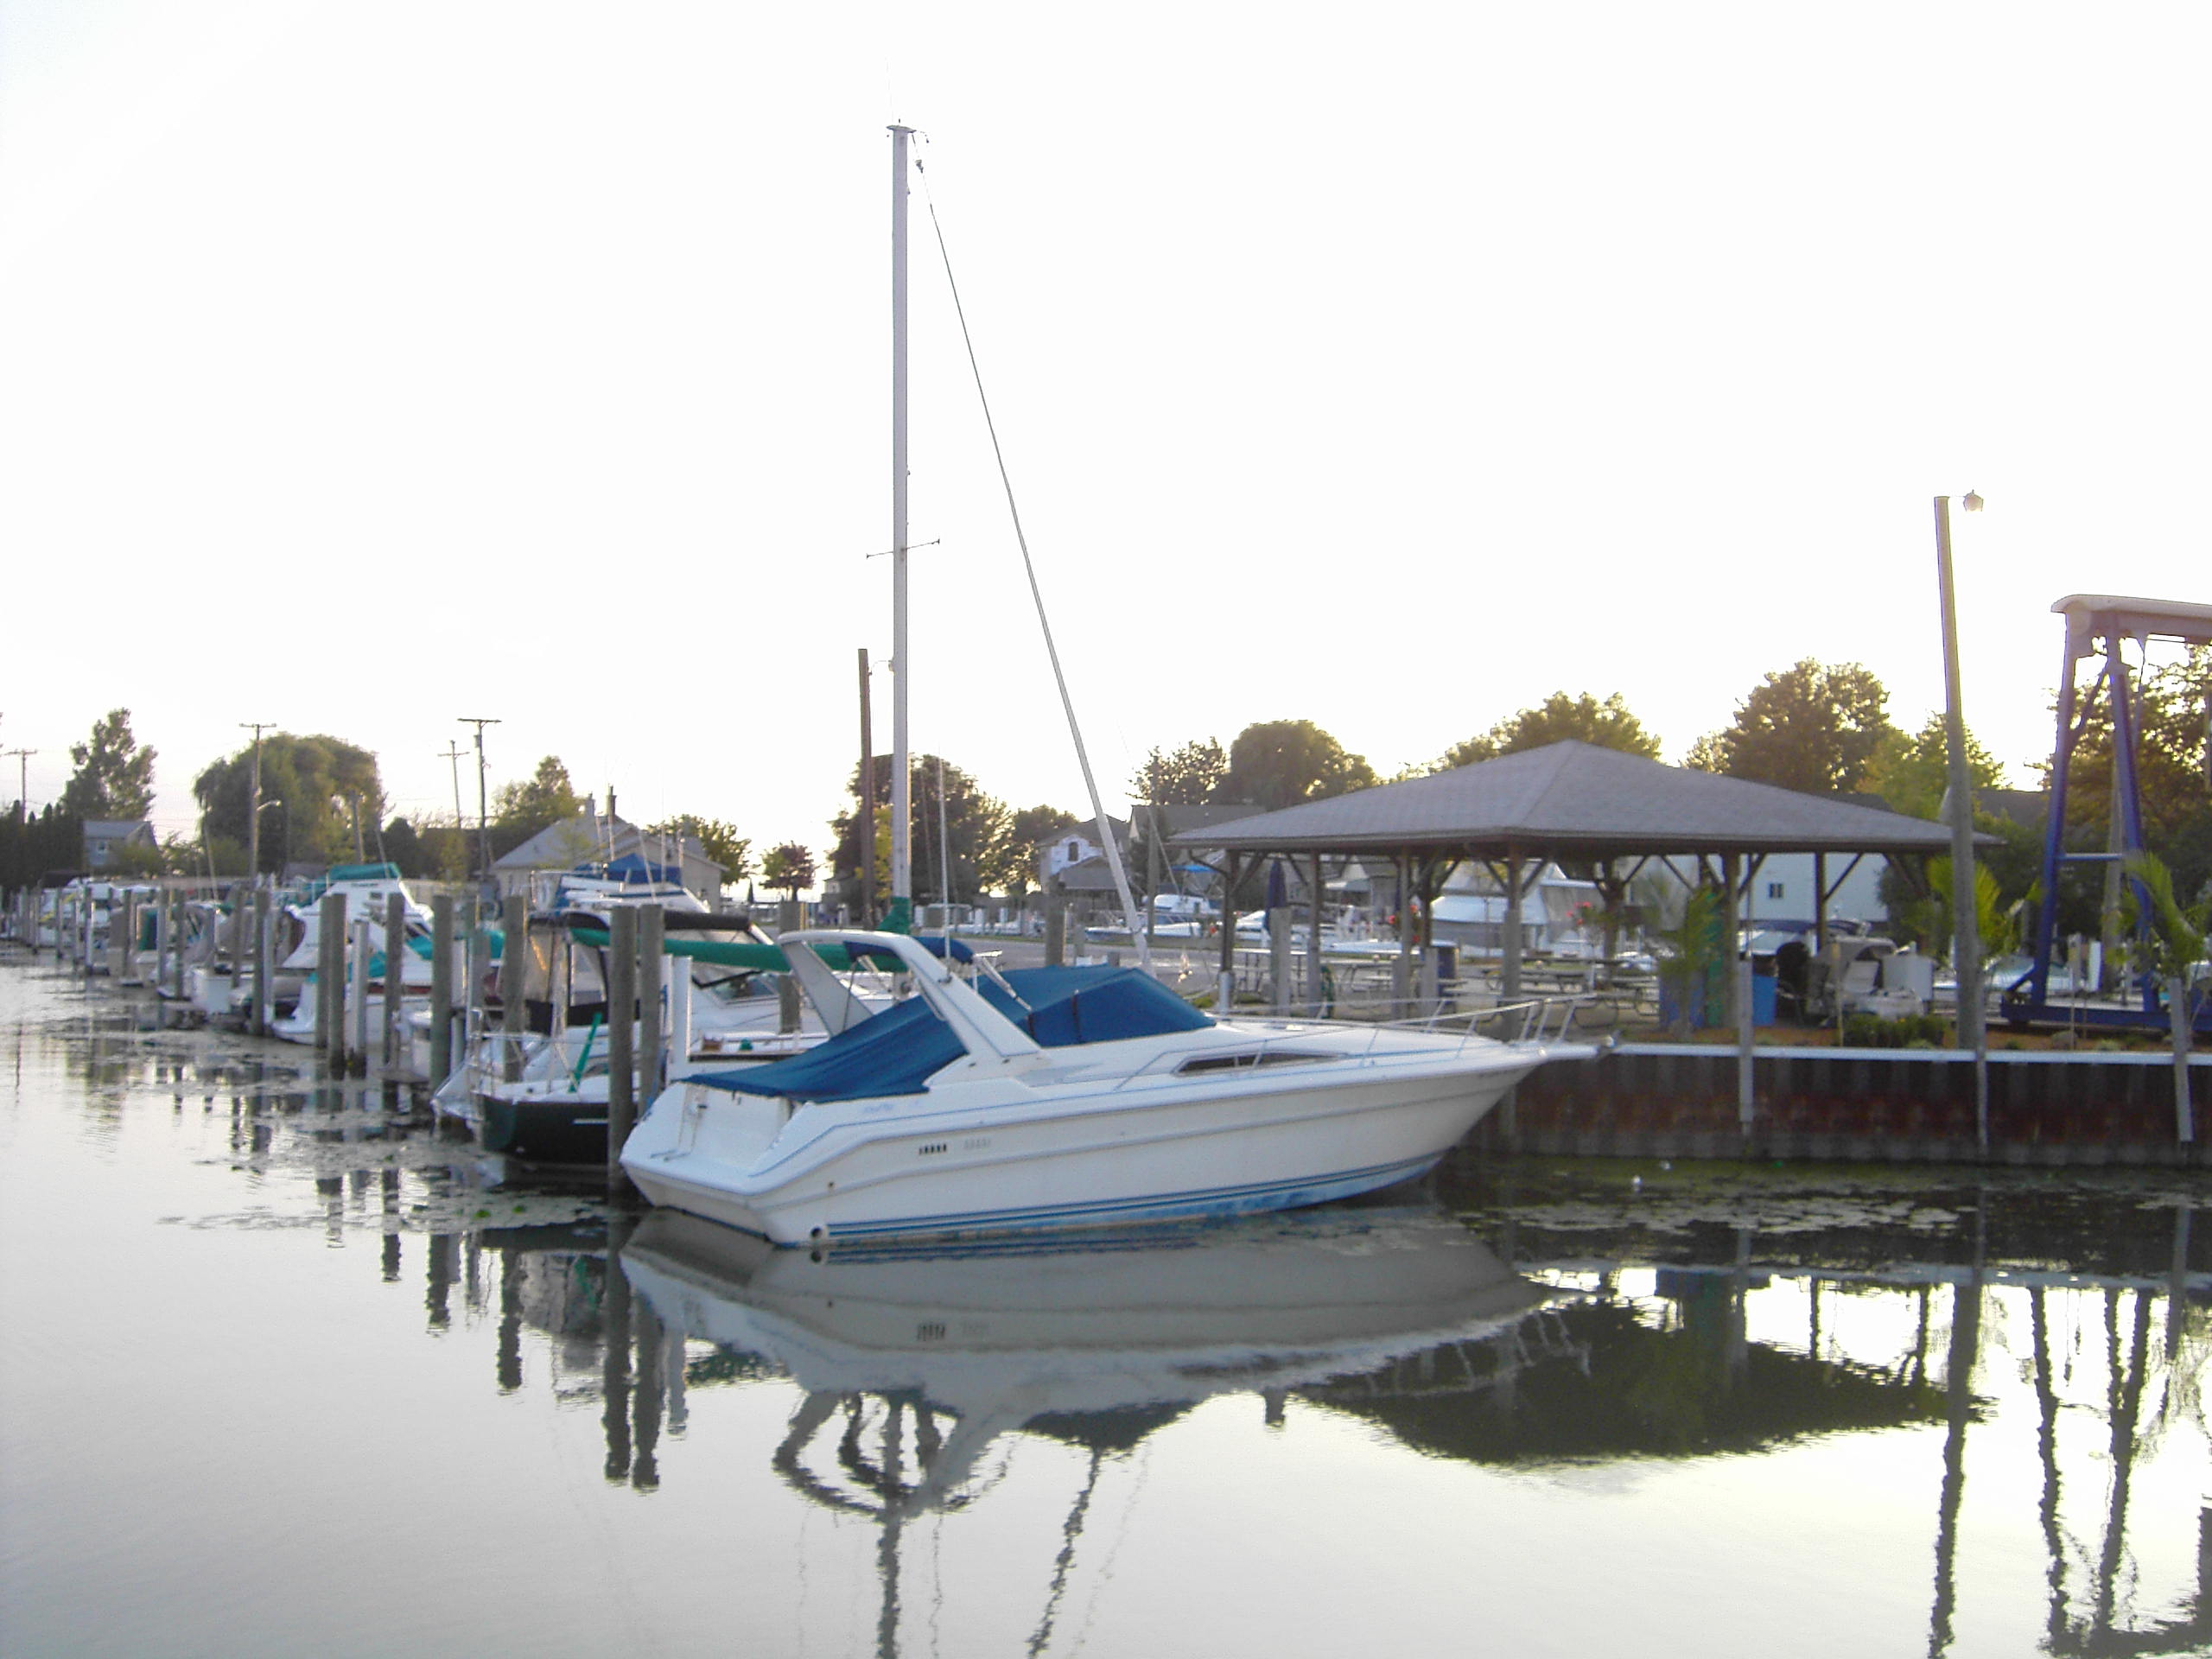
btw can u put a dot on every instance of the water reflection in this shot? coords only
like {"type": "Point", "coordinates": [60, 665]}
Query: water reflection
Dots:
{"type": "Point", "coordinates": [2021, 1356]}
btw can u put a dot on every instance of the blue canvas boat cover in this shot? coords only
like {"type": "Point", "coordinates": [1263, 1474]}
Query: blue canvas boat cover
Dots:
{"type": "Point", "coordinates": [1092, 1005]}
{"type": "Point", "coordinates": [897, 1051]}
{"type": "Point", "coordinates": [893, 1052]}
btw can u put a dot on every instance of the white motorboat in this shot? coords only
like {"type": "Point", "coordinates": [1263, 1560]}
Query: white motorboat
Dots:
{"type": "Point", "coordinates": [1055, 1098]}
{"type": "Point", "coordinates": [1072, 1331]}
{"type": "Point", "coordinates": [543, 1097]}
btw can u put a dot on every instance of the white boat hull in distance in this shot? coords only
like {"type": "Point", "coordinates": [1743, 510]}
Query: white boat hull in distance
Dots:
{"type": "Point", "coordinates": [1225, 1119]}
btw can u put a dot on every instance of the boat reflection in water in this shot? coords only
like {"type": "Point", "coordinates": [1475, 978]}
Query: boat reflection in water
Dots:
{"type": "Point", "coordinates": [1095, 1340]}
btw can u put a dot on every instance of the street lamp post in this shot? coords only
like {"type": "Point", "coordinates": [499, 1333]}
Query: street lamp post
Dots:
{"type": "Point", "coordinates": [1966, 933]}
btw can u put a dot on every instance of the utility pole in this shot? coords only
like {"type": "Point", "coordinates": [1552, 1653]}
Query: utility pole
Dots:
{"type": "Point", "coordinates": [23, 784]}
{"type": "Point", "coordinates": [253, 811]}
{"type": "Point", "coordinates": [452, 751]}
{"type": "Point", "coordinates": [483, 810]}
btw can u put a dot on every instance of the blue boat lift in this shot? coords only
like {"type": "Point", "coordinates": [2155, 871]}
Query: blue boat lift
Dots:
{"type": "Point", "coordinates": [2097, 625]}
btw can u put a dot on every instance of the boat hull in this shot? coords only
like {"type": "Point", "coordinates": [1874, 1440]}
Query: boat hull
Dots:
{"type": "Point", "coordinates": [921, 1168]}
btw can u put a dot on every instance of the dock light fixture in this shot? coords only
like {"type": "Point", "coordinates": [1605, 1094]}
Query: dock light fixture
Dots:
{"type": "Point", "coordinates": [1971, 501]}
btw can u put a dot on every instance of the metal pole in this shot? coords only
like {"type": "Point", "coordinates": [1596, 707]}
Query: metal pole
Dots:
{"type": "Point", "coordinates": [867, 917]}
{"type": "Point", "coordinates": [902, 879]}
{"type": "Point", "coordinates": [1966, 938]}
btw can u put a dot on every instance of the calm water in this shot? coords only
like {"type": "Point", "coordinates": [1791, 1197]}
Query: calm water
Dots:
{"type": "Point", "coordinates": [285, 1375]}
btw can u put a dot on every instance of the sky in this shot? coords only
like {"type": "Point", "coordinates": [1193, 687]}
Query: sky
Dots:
{"type": "Point", "coordinates": [364, 366]}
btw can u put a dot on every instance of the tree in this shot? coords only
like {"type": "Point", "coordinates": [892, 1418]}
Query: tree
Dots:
{"type": "Point", "coordinates": [978, 823]}
{"type": "Point", "coordinates": [1189, 777]}
{"type": "Point", "coordinates": [545, 799]}
{"type": "Point", "coordinates": [1811, 727]}
{"type": "Point", "coordinates": [1015, 871]}
{"type": "Point", "coordinates": [405, 846]}
{"type": "Point", "coordinates": [718, 838]}
{"type": "Point", "coordinates": [790, 867]}
{"type": "Point", "coordinates": [2171, 768]}
{"type": "Point", "coordinates": [1913, 773]}
{"type": "Point", "coordinates": [1608, 724]}
{"type": "Point", "coordinates": [2175, 937]}
{"type": "Point", "coordinates": [308, 785]}
{"type": "Point", "coordinates": [1279, 762]}
{"type": "Point", "coordinates": [114, 777]}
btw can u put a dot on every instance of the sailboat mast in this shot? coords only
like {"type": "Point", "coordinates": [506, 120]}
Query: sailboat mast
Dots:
{"type": "Point", "coordinates": [902, 875]}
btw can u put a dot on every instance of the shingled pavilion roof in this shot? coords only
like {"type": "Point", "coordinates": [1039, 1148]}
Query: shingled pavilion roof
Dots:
{"type": "Point", "coordinates": [1575, 800]}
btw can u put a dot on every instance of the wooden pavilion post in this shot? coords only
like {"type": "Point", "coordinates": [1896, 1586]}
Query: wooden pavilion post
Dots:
{"type": "Point", "coordinates": [1732, 866]}
{"type": "Point", "coordinates": [1508, 980]}
{"type": "Point", "coordinates": [1402, 971]}
{"type": "Point", "coordinates": [1225, 994]}
{"type": "Point", "coordinates": [1314, 938]}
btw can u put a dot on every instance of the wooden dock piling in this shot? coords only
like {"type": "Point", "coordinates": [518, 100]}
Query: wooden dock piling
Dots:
{"type": "Point", "coordinates": [441, 949]}
{"type": "Point", "coordinates": [653, 978]}
{"type": "Point", "coordinates": [395, 985]}
{"type": "Point", "coordinates": [264, 965]}
{"type": "Point", "coordinates": [622, 1034]}
{"type": "Point", "coordinates": [514, 979]}
{"type": "Point", "coordinates": [356, 995]}
{"type": "Point", "coordinates": [787, 1008]}
{"type": "Point", "coordinates": [330, 980]}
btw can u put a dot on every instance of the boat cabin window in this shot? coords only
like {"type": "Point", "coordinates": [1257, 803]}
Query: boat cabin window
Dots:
{"type": "Point", "coordinates": [1202, 1063]}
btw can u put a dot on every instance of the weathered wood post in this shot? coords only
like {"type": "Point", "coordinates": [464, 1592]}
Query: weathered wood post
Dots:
{"type": "Point", "coordinates": [357, 1021]}
{"type": "Point", "coordinates": [1224, 996]}
{"type": "Point", "coordinates": [652, 959]}
{"type": "Point", "coordinates": [788, 920]}
{"type": "Point", "coordinates": [678, 1039]}
{"type": "Point", "coordinates": [396, 1057]}
{"type": "Point", "coordinates": [1278, 956]}
{"type": "Point", "coordinates": [622, 1034]}
{"type": "Point", "coordinates": [514, 958]}
{"type": "Point", "coordinates": [330, 979]}
{"type": "Point", "coordinates": [1055, 926]}
{"type": "Point", "coordinates": [1739, 962]}
{"type": "Point", "coordinates": [1509, 971]}
{"type": "Point", "coordinates": [265, 959]}
{"type": "Point", "coordinates": [1401, 966]}
{"type": "Point", "coordinates": [1314, 963]}
{"type": "Point", "coordinates": [122, 923]}
{"type": "Point", "coordinates": [441, 944]}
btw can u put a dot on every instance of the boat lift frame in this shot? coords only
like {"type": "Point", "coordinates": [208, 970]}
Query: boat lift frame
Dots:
{"type": "Point", "coordinates": [2098, 625]}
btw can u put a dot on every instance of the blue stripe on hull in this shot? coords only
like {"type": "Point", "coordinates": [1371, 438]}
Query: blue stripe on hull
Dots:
{"type": "Point", "coordinates": [1209, 1201]}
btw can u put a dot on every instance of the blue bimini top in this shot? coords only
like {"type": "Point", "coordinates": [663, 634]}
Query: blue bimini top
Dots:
{"type": "Point", "coordinates": [897, 1051]}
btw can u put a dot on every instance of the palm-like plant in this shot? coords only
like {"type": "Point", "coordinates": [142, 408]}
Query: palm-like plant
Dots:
{"type": "Point", "coordinates": [2171, 944]}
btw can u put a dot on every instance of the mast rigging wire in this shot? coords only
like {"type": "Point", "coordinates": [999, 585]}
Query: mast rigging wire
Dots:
{"type": "Point", "coordinates": [1137, 933]}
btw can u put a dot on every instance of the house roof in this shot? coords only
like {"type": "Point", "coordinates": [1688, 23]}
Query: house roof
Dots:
{"type": "Point", "coordinates": [584, 837]}
{"type": "Point", "coordinates": [119, 828]}
{"type": "Point", "coordinates": [1576, 800]}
